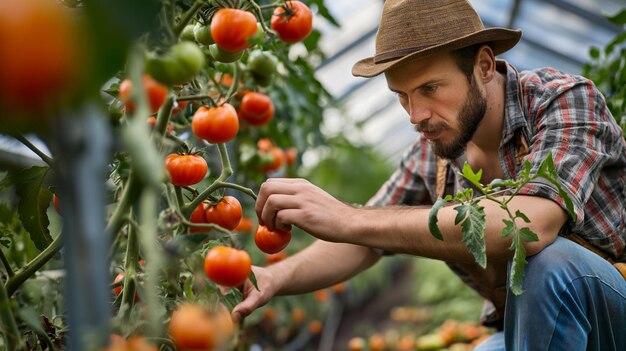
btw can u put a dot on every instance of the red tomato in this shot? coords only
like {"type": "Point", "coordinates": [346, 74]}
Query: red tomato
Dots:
{"type": "Point", "coordinates": [198, 216]}
{"type": "Point", "coordinates": [118, 289]}
{"type": "Point", "coordinates": [278, 158]}
{"type": "Point", "coordinates": [215, 125]}
{"type": "Point", "coordinates": [42, 58]}
{"type": "Point", "coordinates": [271, 241]}
{"type": "Point", "coordinates": [231, 29]}
{"type": "Point", "coordinates": [256, 109]}
{"type": "Point", "coordinates": [293, 21]}
{"type": "Point", "coordinates": [275, 257]}
{"type": "Point", "coordinates": [264, 144]}
{"type": "Point", "coordinates": [244, 226]}
{"type": "Point", "coordinates": [156, 93]}
{"type": "Point", "coordinates": [290, 156]}
{"type": "Point", "coordinates": [193, 328]}
{"type": "Point", "coordinates": [226, 213]}
{"type": "Point", "coordinates": [55, 203]}
{"type": "Point", "coordinates": [227, 266]}
{"type": "Point", "coordinates": [185, 170]}
{"type": "Point", "coordinates": [180, 105]}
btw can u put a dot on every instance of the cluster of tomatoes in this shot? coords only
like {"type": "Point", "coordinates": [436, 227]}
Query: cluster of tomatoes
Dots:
{"type": "Point", "coordinates": [225, 39]}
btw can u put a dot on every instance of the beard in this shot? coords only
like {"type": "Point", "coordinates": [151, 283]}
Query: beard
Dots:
{"type": "Point", "coordinates": [470, 116]}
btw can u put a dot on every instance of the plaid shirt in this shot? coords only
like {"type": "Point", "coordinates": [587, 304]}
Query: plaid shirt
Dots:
{"type": "Point", "coordinates": [554, 112]}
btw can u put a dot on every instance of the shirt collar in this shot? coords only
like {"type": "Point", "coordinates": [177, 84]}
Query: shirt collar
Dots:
{"type": "Point", "coordinates": [514, 111]}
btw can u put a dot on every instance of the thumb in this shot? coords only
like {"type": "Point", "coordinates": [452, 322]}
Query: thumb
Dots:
{"type": "Point", "coordinates": [244, 308]}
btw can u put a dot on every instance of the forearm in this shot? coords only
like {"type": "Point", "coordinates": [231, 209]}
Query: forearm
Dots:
{"type": "Point", "coordinates": [405, 230]}
{"type": "Point", "coordinates": [320, 265]}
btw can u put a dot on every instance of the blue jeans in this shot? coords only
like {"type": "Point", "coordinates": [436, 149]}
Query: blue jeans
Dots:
{"type": "Point", "coordinates": [573, 300]}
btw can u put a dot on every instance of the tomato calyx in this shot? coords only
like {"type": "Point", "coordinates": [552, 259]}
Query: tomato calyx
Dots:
{"type": "Point", "coordinates": [288, 11]}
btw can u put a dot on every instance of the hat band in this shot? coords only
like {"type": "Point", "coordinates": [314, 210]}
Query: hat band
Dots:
{"type": "Point", "coordinates": [396, 54]}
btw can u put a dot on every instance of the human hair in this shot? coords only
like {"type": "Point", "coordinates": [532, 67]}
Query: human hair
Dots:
{"type": "Point", "coordinates": [465, 59]}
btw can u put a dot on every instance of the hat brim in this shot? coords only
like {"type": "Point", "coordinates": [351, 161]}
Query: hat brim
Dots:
{"type": "Point", "coordinates": [500, 40]}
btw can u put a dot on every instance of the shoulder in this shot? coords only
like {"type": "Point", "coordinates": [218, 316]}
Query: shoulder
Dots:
{"type": "Point", "coordinates": [548, 82]}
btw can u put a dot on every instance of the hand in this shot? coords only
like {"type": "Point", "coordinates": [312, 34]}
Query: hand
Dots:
{"type": "Point", "coordinates": [253, 298]}
{"type": "Point", "coordinates": [283, 202]}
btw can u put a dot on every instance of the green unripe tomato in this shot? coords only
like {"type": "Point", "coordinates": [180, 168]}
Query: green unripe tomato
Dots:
{"type": "Point", "coordinates": [187, 33]}
{"type": "Point", "coordinates": [223, 55]}
{"type": "Point", "coordinates": [177, 66]}
{"type": "Point", "coordinates": [189, 56]}
{"type": "Point", "coordinates": [202, 34]}
{"type": "Point", "coordinates": [261, 63]}
{"type": "Point", "coordinates": [261, 80]}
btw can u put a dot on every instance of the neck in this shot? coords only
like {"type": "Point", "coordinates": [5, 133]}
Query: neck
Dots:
{"type": "Point", "coordinates": [489, 132]}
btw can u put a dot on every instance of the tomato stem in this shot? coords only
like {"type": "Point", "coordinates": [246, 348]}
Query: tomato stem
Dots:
{"type": "Point", "coordinates": [33, 266]}
{"type": "Point", "coordinates": [243, 189]}
{"type": "Point", "coordinates": [163, 118]}
{"type": "Point", "coordinates": [258, 12]}
{"type": "Point", "coordinates": [7, 265]}
{"type": "Point", "coordinates": [128, 196]}
{"type": "Point", "coordinates": [47, 159]}
{"type": "Point", "coordinates": [188, 16]}
{"type": "Point", "coordinates": [235, 85]}
{"type": "Point", "coordinates": [13, 337]}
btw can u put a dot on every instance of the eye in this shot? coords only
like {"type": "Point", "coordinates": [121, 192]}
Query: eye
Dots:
{"type": "Point", "coordinates": [429, 89]}
{"type": "Point", "coordinates": [401, 96]}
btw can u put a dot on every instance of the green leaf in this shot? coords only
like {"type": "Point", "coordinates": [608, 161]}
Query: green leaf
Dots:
{"type": "Point", "coordinates": [34, 200]}
{"type": "Point", "coordinates": [30, 317]}
{"type": "Point", "coordinates": [432, 219]}
{"type": "Point", "coordinates": [233, 298]}
{"type": "Point", "coordinates": [618, 18]}
{"type": "Point", "coordinates": [252, 278]}
{"type": "Point", "coordinates": [520, 214]}
{"type": "Point", "coordinates": [461, 213]}
{"type": "Point", "coordinates": [473, 229]}
{"type": "Point", "coordinates": [517, 268]}
{"type": "Point", "coordinates": [528, 235]}
{"type": "Point", "coordinates": [323, 11]}
{"type": "Point", "coordinates": [594, 52]}
{"type": "Point", "coordinates": [509, 228]}
{"type": "Point", "coordinates": [568, 203]}
{"type": "Point", "coordinates": [619, 39]}
{"type": "Point", "coordinates": [474, 178]}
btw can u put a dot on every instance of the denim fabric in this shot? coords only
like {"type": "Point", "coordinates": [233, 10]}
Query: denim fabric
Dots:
{"type": "Point", "coordinates": [573, 300]}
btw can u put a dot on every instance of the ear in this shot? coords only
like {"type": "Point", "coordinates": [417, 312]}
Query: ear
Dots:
{"type": "Point", "coordinates": [485, 67]}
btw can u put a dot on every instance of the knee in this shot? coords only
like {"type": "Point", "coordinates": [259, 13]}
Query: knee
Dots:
{"type": "Point", "coordinates": [559, 264]}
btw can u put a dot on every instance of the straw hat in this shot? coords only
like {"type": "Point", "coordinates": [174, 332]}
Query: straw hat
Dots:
{"type": "Point", "coordinates": [411, 29]}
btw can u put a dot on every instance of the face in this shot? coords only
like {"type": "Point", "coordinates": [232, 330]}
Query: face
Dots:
{"type": "Point", "coordinates": [440, 101]}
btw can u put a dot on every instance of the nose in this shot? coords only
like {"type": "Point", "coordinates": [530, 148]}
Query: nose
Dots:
{"type": "Point", "coordinates": [418, 114]}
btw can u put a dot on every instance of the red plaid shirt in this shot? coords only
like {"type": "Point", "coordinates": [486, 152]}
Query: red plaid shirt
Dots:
{"type": "Point", "coordinates": [555, 112]}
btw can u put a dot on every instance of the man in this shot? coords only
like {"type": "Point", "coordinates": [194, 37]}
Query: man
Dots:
{"type": "Point", "coordinates": [469, 107]}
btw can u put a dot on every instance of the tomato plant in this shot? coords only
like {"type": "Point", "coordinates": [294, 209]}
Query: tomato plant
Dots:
{"type": "Point", "coordinates": [293, 21]}
{"type": "Point", "coordinates": [227, 266]}
{"type": "Point", "coordinates": [193, 87]}
{"type": "Point", "coordinates": [271, 241]}
{"type": "Point", "coordinates": [227, 213]}
{"type": "Point", "coordinates": [215, 125]}
{"type": "Point", "coordinates": [231, 29]}
{"type": "Point", "coordinates": [186, 170]}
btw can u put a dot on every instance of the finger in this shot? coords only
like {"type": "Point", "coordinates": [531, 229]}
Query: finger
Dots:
{"type": "Point", "coordinates": [285, 218]}
{"type": "Point", "coordinates": [269, 188]}
{"type": "Point", "coordinates": [276, 203]}
{"type": "Point", "coordinates": [251, 302]}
